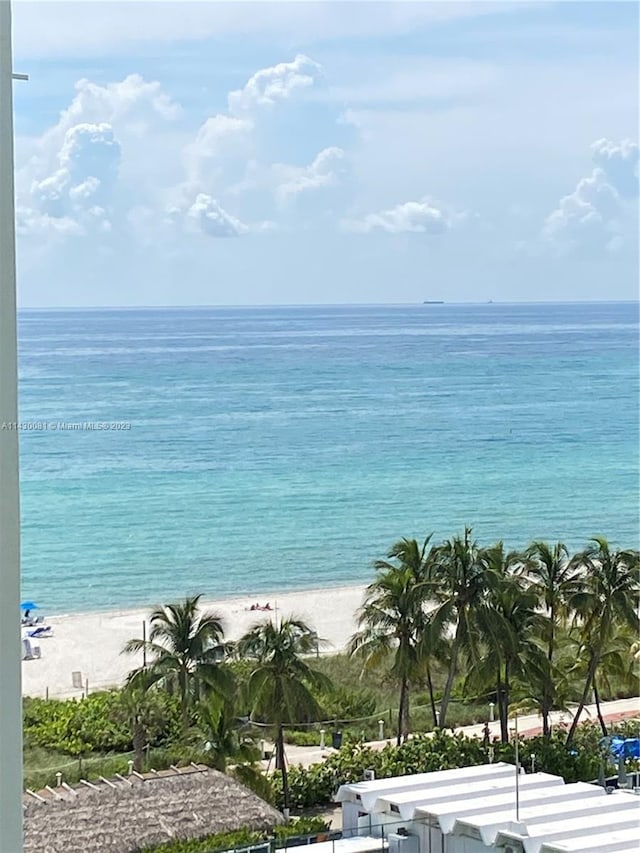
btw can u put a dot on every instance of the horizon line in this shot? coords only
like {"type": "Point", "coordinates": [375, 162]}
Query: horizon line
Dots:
{"type": "Point", "coordinates": [438, 304]}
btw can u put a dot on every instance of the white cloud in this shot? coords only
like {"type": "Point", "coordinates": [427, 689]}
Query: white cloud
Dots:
{"type": "Point", "coordinates": [212, 220]}
{"type": "Point", "coordinates": [133, 100]}
{"type": "Point", "coordinates": [33, 223]}
{"type": "Point", "coordinates": [278, 83]}
{"type": "Point", "coordinates": [619, 162]}
{"type": "Point", "coordinates": [82, 185]}
{"type": "Point", "coordinates": [243, 154]}
{"type": "Point", "coordinates": [584, 213]}
{"type": "Point", "coordinates": [591, 214]}
{"type": "Point", "coordinates": [417, 217]}
{"type": "Point", "coordinates": [227, 144]}
{"type": "Point", "coordinates": [326, 170]}
{"type": "Point", "coordinates": [74, 169]}
{"type": "Point", "coordinates": [222, 145]}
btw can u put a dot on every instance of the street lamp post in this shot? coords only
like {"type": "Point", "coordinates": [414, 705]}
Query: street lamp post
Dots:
{"type": "Point", "coordinates": [10, 642]}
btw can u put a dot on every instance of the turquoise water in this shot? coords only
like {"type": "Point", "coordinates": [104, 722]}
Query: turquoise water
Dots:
{"type": "Point", "coordinates": [279, 448]}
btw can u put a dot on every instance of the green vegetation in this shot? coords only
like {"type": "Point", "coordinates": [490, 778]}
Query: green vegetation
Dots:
{"type": "Point", "coordinates": [496, 621]}
{"type": "Point", "coordinates": [277, 837]}
{"type": "Point", "coordinates": [582, 761]}
{"type": "Point", "coordinates": [395, 624]}
{"type": "Point", "coordinates": [451, 627]}
{"type": "Point", "coordinates": [279, 687]}
{"type": "Point", "coordinates": [184, 647]}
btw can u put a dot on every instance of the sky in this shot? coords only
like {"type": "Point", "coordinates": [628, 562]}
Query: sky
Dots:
{"type": "Point", "coordinates": [205, 153]}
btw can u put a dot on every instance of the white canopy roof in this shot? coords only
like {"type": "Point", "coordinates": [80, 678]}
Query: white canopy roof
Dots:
{"type": "Point", "coordinates": [620, 811]}
{"type": "Point", "coordinates": [619, 840]}
{"type": "Point", "coordinates": [479, 790]}
{"type": "Point", "coordinates": [485, 812]}
{"type": "Point", "coordinates": [535, 807]}
{"type": "Point", "coordinates": [369, 792]}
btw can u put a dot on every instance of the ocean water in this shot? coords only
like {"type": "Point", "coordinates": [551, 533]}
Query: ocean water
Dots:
{"type": "Point", "coordinates": [279, 448]}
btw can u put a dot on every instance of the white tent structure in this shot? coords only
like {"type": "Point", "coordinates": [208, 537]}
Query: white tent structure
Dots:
{"type": "Point", "coordinates": [614, 841]}
{"type": "Point", "coordinates": [621, 809]}
{"type": "Point", "coordinates": [476, 809]}
{"type": "Point", "coordinates": [407, 804]}
{"type": "Point", "coordinates": [359, 798]}
{"type": "Point", "coordinates": [486, 815]}
{"type": "Point", "coordinates": [575, 803]}
{"type": "Point", "coordinates": [498, 793]}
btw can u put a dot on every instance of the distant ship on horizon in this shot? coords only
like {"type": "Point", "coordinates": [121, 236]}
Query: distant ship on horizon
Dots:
{"type": "Point", "coordinates": [433, 302]}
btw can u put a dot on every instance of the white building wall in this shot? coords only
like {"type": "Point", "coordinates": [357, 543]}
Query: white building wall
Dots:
{"type": "Point", "coordinates": [350, 813]}
{"type": "Point", "coordinates": [471, 845]}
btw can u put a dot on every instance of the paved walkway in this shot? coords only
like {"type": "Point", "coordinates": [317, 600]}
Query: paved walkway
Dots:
{"type": "Point", "coordinates": [528, 726]}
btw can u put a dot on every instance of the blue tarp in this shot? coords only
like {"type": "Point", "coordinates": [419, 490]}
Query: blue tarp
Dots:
{"type": "Point", "coordinates": [628, 747]}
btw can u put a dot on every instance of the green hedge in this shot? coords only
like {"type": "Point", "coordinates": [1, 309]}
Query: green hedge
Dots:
{"type": "Point", "coordinates": [317, 784]}
{"type": "Point", "coordinates": [98, 723]}
{"type": "Point", "coordinates": [243, 838]}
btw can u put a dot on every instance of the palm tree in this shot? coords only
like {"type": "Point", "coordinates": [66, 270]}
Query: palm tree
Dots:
{"type": "Point", "coordinates": [608, 600]}
{"type": "Point", "coordinates": [230, 742]}
{"type": "Point", "coordinates": [279, 688]}
{"type": "Point", "coordinates": [147, 714]}
{"type": "Point", "coordinates": [184, 649]}
{"type": "Point", "coordinates": [229, 736]}
{"type": "Point", "coordinates": [393, 620]}
{"type": "Point", "coordinates": [615, 662]}
{"type": "Point", "coordinates": [457, 584]}
{"type": "Point", "coordinates": [506, 621]}
{"type": "Point", "coordinates": [554, 581]}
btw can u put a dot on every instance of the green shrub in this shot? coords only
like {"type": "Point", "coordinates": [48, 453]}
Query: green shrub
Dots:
{"type": "Point", "coordinates": [310, 737]}
{"type": "Point", "coordinates": [317, 784]}
{"type": "Point", "coordinates": [76, 726]}
{"type": "Point", "coordinates": [98, 723]}
{"type": "Point", "coordinates": [210, 843]}
{"type": "Point", "coordinates": [344, 705]}
{"type": "Point", "coordinates": [243, 838]}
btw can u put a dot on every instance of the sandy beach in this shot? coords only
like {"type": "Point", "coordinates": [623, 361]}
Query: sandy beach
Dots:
{"type": "Point", "coordinates": [91, 643]}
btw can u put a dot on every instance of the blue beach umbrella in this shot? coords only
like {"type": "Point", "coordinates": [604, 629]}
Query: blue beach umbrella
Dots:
{"type": "Point", "coordinates": [28, 605]}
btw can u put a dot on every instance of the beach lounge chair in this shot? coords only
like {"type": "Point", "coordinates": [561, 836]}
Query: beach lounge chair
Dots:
{"type": "Point", "coordinates": [30, 651]}
{"type": "Point", "coordinates": [40, 631]}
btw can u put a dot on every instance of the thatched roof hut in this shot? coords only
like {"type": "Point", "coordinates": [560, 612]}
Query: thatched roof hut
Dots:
{"type": "Point", "coordinates": [125, 814]}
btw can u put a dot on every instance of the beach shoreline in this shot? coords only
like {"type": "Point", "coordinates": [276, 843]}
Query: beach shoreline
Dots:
{"type": "Point", "coordinates": [91, 643]}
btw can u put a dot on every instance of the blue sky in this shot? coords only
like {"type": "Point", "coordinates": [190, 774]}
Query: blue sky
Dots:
{"type": "Point", "coordinates": [251, 153]}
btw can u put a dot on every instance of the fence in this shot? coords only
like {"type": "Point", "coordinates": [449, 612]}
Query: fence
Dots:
{"type": "Point", "coordinates": [331, 841]}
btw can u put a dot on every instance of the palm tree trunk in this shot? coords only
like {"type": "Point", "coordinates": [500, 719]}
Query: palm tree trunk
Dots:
{"type": "Point", "coordinates": [138, 738]}
{"type": "Point", "coordinates": [506, 699]}
{"type": "Point", "coordinates": [403, 692]}
{"type": "Point", "coordinates": [502, 714]}
{"type": "Point", "coordinates": [405, 712]}
{"type": "Point", "coordinates": [432, 701]}
{"type": "Point", "coordinates": [547, 690]}
{"type": "Point", "coordinates": [591, 670]}
{"type": "Point", "coordinates": [546, 728]}
{"type": "Point", "coordinates": [283, 767]}
{"type": "Point", "coordinates": [603, 725]}
{"type": "Point", "coordinates": [184, 699]}
{"type": "Point", "coordinates": [453, 667]}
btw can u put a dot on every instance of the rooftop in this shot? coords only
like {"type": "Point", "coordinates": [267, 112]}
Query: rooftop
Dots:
{"type": "Point", "coordinates": [369, 792]}
{"type": "Point", "coordinates": [123, 814]}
